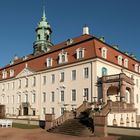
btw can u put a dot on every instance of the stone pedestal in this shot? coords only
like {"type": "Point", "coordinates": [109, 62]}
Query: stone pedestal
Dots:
{"type": "Point", "coordinates": [100, 125]}
{"type": "Point", "coordinates": [49, 120]}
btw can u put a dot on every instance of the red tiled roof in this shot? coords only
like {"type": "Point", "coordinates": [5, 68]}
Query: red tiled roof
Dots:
{"type": "Point", "coordinates": [92, 47]}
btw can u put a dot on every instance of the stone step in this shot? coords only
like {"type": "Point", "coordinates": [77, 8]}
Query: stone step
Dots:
{"type": "Point", "coordinates": [73, 127]}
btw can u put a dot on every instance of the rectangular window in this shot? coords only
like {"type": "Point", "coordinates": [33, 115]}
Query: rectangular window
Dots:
{"type": "Point", "coordinates": [86, 94]}
{"type": "Point", "coordinates": [137, 98]}
{"type": "Point", "coordinates": [62, 110]}
{"type": "Point", "coordinates": [62, 77]}
{"type": "Point", "coordinates": [80, 54]}
{"type": "Point", "coordinates": [53, 78]}
{"type": "Point", "coordinates": [44, 110]}
{"type": "Point", "coordinates": [62, 96]}
{"type": "Point", "coordinates": [33, 98]}
{"type": "Point", "coordinates": [19, 99]}
{"type": "Point", "coordinates": [73, 74]}
{"type": "Point", "coordinates": [3, 87]}
{"type": "Point", "coordinates": [52, 110]}
{"type": "Point", "coordinates": [26, 82]}
{"type": "Point", "coordinates": [73, 95]}
{"type": "Point", "coordinates": [86, 72]}
{"type": "Point", "coordinates": [44, 80]}
{"type": "Point", "coordinates": [26, 98]}
{"type": "Point", "coordinates": [49, 62]}
{"type": "Point", "coordinates": [44, 97]}
{"type": "Point", "coordinates": [19, 84]}
{"type": "Point", "coordinates": [34, 81]}
{"type": "Point", "coordinates": [7, 99]}
{"type": "Point", "coordinates": [52, 96]}
{"type": "Point", "coordinates": [13, 99]}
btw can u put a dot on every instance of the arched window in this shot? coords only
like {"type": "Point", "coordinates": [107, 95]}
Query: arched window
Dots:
{"type": "Point", "coordinates": [63, 57]}
{"type": "Point", "coordinates": [120, 60]}
{"type": "Point", "coordinates": [126, 63]}
{"type": "Point", "coordinates": [11, 72]}
{"type": "Point", "coordinates": [49, 61]}
{"type": "Point", "coordinates": [80, 53]}
{"type": "Point", "coordinates": [104, 71]}
{"type": "Point", "coordinates": [104, 52]}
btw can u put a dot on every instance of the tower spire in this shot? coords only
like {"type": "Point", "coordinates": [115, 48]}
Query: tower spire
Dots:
{"type": "Point", "coordinates": [44, 14]}
{"type": "Point", "coordinates": [43, 35]}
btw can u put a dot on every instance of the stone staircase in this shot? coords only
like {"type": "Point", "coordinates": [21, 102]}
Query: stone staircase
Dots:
{"type": "Point", "coordinates": [75, 127]}
{"type": "Point", "coordinates": [81, 122]}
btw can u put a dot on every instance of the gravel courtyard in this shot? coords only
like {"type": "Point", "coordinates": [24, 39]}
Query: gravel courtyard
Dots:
{"type": "Point", "coordinates": [39, 134]}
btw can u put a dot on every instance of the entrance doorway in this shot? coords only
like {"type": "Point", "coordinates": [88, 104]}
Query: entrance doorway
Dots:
{"type": "Point", "coordinates": [25, 111]}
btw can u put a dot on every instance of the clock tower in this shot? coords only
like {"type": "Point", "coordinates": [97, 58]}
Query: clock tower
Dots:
{"type": "Point", "coordinates": [43, 36]}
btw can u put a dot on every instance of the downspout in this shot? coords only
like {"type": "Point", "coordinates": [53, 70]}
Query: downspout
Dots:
{"type": "Point", "coordinates": [91, 84]}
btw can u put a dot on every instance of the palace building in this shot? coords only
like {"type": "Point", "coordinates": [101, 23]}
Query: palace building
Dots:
{"type": "Point", "coordinates": [58, 77]}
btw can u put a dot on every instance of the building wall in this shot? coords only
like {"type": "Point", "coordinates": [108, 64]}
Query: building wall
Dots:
{"type": "Point", "coordinates": [67, 86]}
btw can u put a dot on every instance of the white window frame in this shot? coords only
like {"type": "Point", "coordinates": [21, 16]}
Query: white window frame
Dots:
{"type": "Point", "coordinates": [86, 93]}
{"type": "Point", "coordinates": [19, 83]}
{"type": "Point", "coordinates": [62, 91]}
{"type": "Point", "coordinates": [4, 74]}
{"type": "Point", "coordinates": [61, 54]}
{"type": "Point", "coordinates": [19, 98]}
{"type": "Point", "coordinates": [44, 97]}
{"type": "Point", "coordinates": [73, 75]}
{"type": "Point", "coordinates": [34, 81]}
{"type": "Point", "coordinates": [86, 72]}
{"type": "Point", "coordinates": [73, 91]}
{"type": "Point", "coordinates": [120, 60]}
{"type": "Point", "coordinates": [44, 80]}
{"type": "Point", "coordinates": [44, 110]}
{"type": "Point", "coordinates": [13, 99]}
{"type": "Point", "coordinates": [136, 67]}
{"type": "Point", "coordinates": [52, 110]}
{"type": "Point", "coordinates": [53, 78]}
{"type": "Point", "coordinates": [80, 53]}
{"type": "Point", "coordinates": [49, 62]}
{"type": "Point", "coordinates": [33, 97]}
{"type": "Point", "coordinates": [26, 82]}
{"type": "Point", "coordinates": [26, 98]}
{"type": "Point", "coordinates": [126, 62]}
{"type": "Point", "coordinates": [104, 52]}
{"type": "Point", "coordinates": [62, 76]}
{"type": "Point", "coordinates": [11, 72]}
{"type": "Point", "coordinates": [52, 96]}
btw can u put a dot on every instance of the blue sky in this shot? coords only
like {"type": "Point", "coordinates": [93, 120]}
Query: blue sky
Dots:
{"type": "Point", "coordinates": [117, 20]}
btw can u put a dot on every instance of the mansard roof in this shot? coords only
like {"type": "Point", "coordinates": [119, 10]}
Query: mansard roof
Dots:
{"type": "Point", "coordinates": [91, 44]}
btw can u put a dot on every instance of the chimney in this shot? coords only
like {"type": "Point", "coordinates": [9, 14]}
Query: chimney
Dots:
{"type": "Point", "coordinates": [85, 30]}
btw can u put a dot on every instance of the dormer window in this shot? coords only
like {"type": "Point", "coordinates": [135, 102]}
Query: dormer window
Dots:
{"type": "Point", "coordinates": [4, 74]}
{"type": "Point", "coordinates": [126, 63]}
{"type": "Point", "coordinates": [63, 57]}
{"type": "Point", "coordinates": [11, 72]}
{"type": "Point", "coordinates": [136, 67]}
{"type": "Point", "coordinates": [49, 61]}
{"type": "Point", "coordinates": [104, 52]}
{"type": "Point", "coordinates": [80, 52]}
{"type": "Point", "coordinates": [120, 60]}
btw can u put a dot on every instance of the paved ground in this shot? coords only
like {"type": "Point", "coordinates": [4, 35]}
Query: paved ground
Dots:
{"type": "Point", "coordinates": [40, 134]}
{"type": "Point", "coordinates": [124, 131]}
